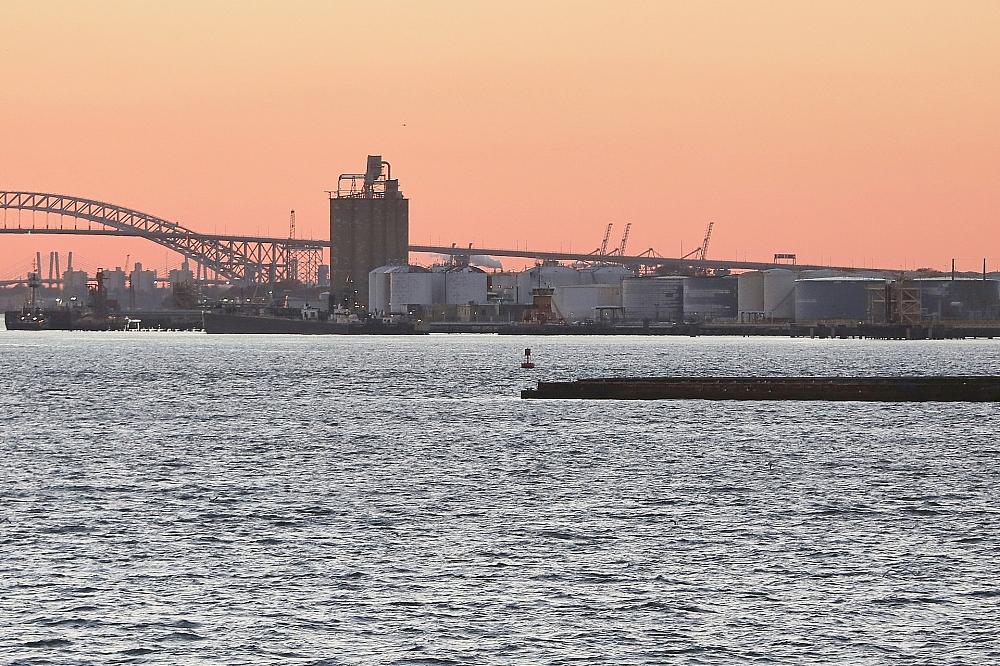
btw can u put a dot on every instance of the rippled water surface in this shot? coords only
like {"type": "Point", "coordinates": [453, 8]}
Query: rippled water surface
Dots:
{"type": "Point", "coordinates": [182, 498]}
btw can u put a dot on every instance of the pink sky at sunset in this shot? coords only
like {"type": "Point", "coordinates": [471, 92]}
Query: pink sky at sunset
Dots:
{"type": "Point", "coordinates": [847, 132]}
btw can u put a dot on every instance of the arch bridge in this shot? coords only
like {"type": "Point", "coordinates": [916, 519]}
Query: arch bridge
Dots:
{"type": "Point", "coordinates": [238, 258]}
{"type": "Point", "coordinates": [264, 259]}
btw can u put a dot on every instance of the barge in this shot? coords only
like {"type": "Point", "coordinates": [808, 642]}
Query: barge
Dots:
{"type": "Point", "coordinates": [953, 388]}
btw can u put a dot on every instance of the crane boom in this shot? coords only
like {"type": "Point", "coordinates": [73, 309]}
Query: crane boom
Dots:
{"type": "Point", "coordinates": [604, 243]}
{"type": "Point", "coordinates": [704, 243]}
{"type": "Point", "coordinates": [621, 248]}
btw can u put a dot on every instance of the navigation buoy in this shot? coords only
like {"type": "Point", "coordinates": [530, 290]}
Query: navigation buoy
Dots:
{"type": "Point", "coordinates": [527, 360]}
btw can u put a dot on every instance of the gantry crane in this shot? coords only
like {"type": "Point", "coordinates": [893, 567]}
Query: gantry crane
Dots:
{"type": "Point", "coordinates": [704, 243]}
{"type": "Point", "coordinates": [702, 250]}
{"type": "Point", "coordinates": [621, 248]}
{"type": "Point", "coordinates": [604, 243]}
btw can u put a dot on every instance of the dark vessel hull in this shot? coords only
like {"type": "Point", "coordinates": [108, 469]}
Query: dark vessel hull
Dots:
{"type": "Point", "coordinates": [60, 320]}
{"type": "Point", "coordinates": [219, 322]}
{"type": "Point", "coordinates": [868, 389]}
{"type": "Point", "coordinates": [38, 320]}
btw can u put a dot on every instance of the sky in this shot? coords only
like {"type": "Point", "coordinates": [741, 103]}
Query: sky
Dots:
{"type": "Point", "coordinates": [847, 132]}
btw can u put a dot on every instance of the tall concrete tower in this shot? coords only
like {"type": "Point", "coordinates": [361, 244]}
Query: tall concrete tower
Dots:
{"type": "Point", "coordinates": [369, 227]}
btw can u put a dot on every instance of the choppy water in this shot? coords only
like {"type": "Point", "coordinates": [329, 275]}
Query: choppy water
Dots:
{"type": "Point", "coordinates": [181, 498]}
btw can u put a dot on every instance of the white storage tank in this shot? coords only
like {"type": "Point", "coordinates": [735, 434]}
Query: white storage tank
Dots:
{"type": "Point", "coordinates": [464, 286]}
{"type": "Point", "coordinates": [710, 298]}
{"type": "Point", "coordinates": [545, 276]}
{"type": "Point", "coordinates": [411, 286]}
{"type": "Point", "coordinates": [831, 299]}
{"type": "Point", "coordinates": [579, 302]}
{"type": "Point", "coordinates": [378, 289]}
{"type": "Point", "coordinates": [779, 293]}
{"type": "Point", "coordinates": [654, 299]}
{"type": "Point", "coordinates": [750, 292]}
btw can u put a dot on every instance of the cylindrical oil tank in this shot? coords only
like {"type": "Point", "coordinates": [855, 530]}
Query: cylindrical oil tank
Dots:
{"type": "Point", "coordinates": [545, 276]}
{"type": "Point", "coordinates": [750, 292]}
{"type": "Point", "coordinates": [944, 299]}
{"type": "Point", "coordinates": [411, 285]}
{"type": "Point", "coordinates": [654, 299]}
{"type": "Point", "coordinates": [827, 299]}
{"type": "Point", "coordinates": [710, 298]}
{"type": "Point", "coordinates": [465, 285]}
{"type": "Point", "coordinates": [378, 289]}
{"type": "Point", "coordinates": [579, 302]}
{"type": "Point", "coordinates": [779, 293]}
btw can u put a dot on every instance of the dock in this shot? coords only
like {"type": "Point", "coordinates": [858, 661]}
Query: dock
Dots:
{"type": "Point", "coordinates": [955, 388]}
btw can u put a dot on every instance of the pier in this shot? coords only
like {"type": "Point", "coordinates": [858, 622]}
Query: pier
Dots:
{"type": "Point", "coordinates": [866, 389]}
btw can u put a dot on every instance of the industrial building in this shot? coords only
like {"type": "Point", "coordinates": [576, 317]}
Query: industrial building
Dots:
{"type": "Point", "coordinates": [369, 228]}
{"type": "Point", "coordinates": [409, 289]}
{"type": "Point", "coordinates": [182, 275]}
{"type": "Point", "coordinates": [614, 294]}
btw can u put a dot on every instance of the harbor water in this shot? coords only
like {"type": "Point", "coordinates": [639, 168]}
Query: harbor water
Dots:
{"type": "Point", "coordinates": [183, 498]}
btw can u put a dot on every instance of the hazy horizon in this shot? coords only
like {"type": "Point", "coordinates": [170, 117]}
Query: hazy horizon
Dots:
{"type": "Point", "coordinates": [848, 133]}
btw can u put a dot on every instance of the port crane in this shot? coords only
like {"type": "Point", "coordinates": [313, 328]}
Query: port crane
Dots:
{"type": "Point", "coordinates": [702, 250]}
{"type": "Point", "coordinates": [604, 243]}
{"type": "Point", "coordinates": [621, 247]}
{"type": "Point", "coordinates": [700, 253]}
{"type": "Point", "coordinates": [704, 243]}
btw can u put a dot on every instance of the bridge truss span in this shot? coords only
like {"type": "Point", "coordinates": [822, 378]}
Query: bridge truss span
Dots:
{"type": "Point", "coordinates": [236, 258]}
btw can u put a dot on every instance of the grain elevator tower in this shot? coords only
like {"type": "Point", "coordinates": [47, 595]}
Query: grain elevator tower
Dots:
{"type": "Point", "coordinates": [369, 227]}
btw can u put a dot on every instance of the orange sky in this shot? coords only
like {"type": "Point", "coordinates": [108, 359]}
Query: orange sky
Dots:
{"type": "Point", "coordinates": [847, 132]}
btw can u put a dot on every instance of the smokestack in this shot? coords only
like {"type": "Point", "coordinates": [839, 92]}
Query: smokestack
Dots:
{"type": "Point", "coordinates": [953, 269]}
{"type": "Point", "coordinates": [984, 269]}
{"type": "Point", "coordinates": [69, 261]}
{"type": "Point", "coordinates": [38, 264]}
{"type": "Point", "coordinates": [58, 273]}
{"type": "Point", "coordinates": [52, 266]}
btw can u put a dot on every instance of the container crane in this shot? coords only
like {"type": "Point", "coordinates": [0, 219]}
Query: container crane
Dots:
{"type": "Point", "coordinates": [604, 243]}
{"type": "Point", "coordinates": [704, 243]}
{"type": "Point", "coordinates": [621, 247]}
{"type": "Point", "coordinates": [702, 250]}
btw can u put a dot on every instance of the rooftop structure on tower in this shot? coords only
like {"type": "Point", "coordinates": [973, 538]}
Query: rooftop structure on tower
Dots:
{"type": "Point", "coordinates": [369, 227]}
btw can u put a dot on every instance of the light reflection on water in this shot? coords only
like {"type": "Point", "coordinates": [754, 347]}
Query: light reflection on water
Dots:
{"type": "Point", "coordinates": [182, 497]}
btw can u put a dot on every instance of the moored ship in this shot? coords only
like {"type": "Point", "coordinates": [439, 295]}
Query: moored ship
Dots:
{"type": "Point", "coordinates": [308, 322]}
{"type": "Point", "coordinates": [100, 316]}
{"type": "Point", "coordinates": [36, 319]}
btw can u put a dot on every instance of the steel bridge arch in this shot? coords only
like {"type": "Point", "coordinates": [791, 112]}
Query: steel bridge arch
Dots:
{"type": "Point", "coordinates": [233, 258]}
